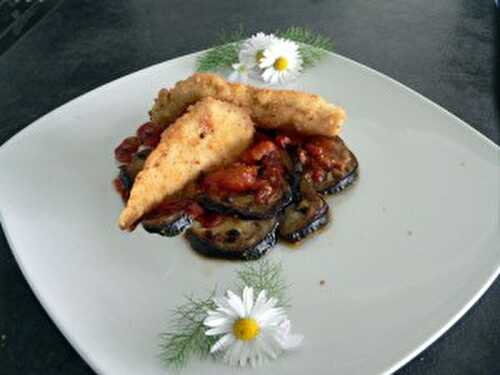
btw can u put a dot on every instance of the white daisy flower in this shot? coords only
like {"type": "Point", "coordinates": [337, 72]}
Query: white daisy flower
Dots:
{"type": "Point", "coordinates": [239, 73]}
{"type": "Point", "coordinates": [281, 62]}
{"type": "Point", "coordinates": [252, 50]}
{"type": "Point", "coordinates": [251, 332]}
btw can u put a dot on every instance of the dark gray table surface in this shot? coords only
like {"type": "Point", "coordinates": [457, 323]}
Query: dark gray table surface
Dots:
{"type": "Point", "coordinates": [444, 49]}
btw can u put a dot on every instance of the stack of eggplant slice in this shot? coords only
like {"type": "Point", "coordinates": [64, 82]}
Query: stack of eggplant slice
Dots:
{"type": "Point", "coordinates": [239, 225]}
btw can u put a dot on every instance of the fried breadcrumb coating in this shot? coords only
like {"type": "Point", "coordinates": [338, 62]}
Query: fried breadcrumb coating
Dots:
{"type": "Point", "coordinates": [211, 133]}
{"type": "Point", "coordinates": [271, 109]}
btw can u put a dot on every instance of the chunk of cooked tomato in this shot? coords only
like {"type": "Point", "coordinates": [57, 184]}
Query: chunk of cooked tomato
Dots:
{"type": "Point", "coordinates": [318, 174]}
{"type": "Point", "coordinates": [194, 210]}
{"type": "Point", "coordinates": [321, 154]}
{"type": "Point", "coordinates": [149, 134]}
{"type": "Point", "coordinates": [273, 169]}
{"type": "Point", "coordinates": [236, 178]}
{"type": "Point", "coordinates": [172, 205]}
{"type": "Point", "coordinates": [209, 219]}
{"type": "Point", "coordinates": [263, 192]}
{"type": "Point", "coordinates": [258, 151]}
{"type": "Point", "coordinates": [126, 150]}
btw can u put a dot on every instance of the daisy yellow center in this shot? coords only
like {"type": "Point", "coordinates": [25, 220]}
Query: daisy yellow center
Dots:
{"type": "Point", "coordinates": [246, 329]}
{"type": "Point", "coordinates": [259, 56]}
{"type": "Point", "coordinates": [281, 64]}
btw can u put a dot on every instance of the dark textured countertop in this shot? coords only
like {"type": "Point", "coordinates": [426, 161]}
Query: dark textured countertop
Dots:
{"type": "Point", "coordinates": [443, 49]}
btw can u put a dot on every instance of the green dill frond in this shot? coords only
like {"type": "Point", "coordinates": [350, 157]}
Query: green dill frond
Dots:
{"type": "Point", "coordinates": [306, 36]}
{"type": "Point", "coordinates": [187, 336]}
{"type": "Point", "coordinates": [224, 54]}
{"type": "Point", "coordinates": [312, 46]}
{"type": "Point", "coordinates": [225, 37]}
{"type": "Point", "coordinates": [264, 274]}
{"type": "Point", "coordinates": [218, 58]}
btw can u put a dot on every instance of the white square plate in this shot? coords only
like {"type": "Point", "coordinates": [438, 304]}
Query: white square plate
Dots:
{"type": "Point", "coordinates": [413, 244]}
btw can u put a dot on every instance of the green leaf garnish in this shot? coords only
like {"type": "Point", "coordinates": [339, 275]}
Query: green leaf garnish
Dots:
{"type": "Point", "coordinates": [187, 336]}
{"type": "Point", "coordinates": [224, 54]}
{"type": "Point", "coordinates": [264, 275]}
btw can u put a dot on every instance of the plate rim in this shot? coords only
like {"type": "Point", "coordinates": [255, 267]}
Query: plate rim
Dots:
{"type": "Point", "coordinates": [86, 356]}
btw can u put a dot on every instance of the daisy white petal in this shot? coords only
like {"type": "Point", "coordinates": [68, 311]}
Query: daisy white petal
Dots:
{"type": "Point", "coordinates": [253, 355]}
{"type": "Point", "coordinates": [266, 343]}
{"type": "Point", "coordinates": [222, 343]}
{"type": "Point", "coordinates": [233, 354]}
{"type": "Point", "coordinates": [244, 355]}
{"type": "Point", "coordinates": [239, 73]}
{"type": "Point", "coordinates": [212, 321]}
{"type": "Point", "coordinates": [252, 49]}
{"type": "Point", "coordinates": [285, 339]}
{"type": "Point", "coordinates": [236, 303]}
{"type": "Point", "coordinates": [260, 303]}
{"type": "Point", "coordinates": [221, 303]}
{"type": "Point", "coordinates": [228, 312]}
{"type": "Point", "coordinates": [271, 317]}
{"type": "Point", "coordinates": [224, 307]}
{"type": "Point", "coordinates": [267, 305]}
{"type": "Point", "coordinates": [267, 74]}
{"type": "Point", "coordinates": [248, 300]}
{"type": "Point", "coordinates": [219, 330]}
{"type": "Point", "coordinates": [290, 342]}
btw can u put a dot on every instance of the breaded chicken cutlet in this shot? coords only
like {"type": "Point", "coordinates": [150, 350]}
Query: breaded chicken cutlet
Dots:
{"type": "Point", "coordinates": [211, 133]}
{"type": "Point", "coordinates": [300, 112]}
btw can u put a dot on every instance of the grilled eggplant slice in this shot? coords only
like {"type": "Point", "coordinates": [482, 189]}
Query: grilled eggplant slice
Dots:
{"type": "Point", "coordinates": [168, 225]}
{"type": "Point", "coordinates": [129, 171]}
{"type": "Point", "coordinates": [295, 174]}
{"type": "Point", "coordinates": [304, 216]}
{"type": "Point", "coordinates": [125, 178]}
{"type": "Point", "coordinates": [244, 205]}
{"type": "Point", "coordinates": [137, 162]}
{"type": "Point", "coordinates": [234, 238]}
{"type": "Point", "coordinates": [336, 179]}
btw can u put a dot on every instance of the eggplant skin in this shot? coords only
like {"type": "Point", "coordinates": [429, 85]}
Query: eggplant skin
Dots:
{"type": "Point", "coordinates": [305, 216]}
{"type": "Point", "coordinates": [320, 221]}
{"type": "Point", "coordinates": [226, 246]}
{"type": "Point", "coordinates": [129, 171]}
{"type": "Point", "coordinates": [341, 184]}
{"type": "Point", "coordinates": [168, 225]}
{"type": "Point", "coordinates": [245, 207]}
{"type": "Point", "coordinates": [125, 178]}
{"type": "Point", "coordinates": [336, 182]}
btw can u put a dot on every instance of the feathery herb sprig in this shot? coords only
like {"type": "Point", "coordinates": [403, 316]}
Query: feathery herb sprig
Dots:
{"type": "Point", "coordinates": [224, 54]}
{"type": "Point", "coordinates": [187, 336]}
{"type": "Point", "coordinates": [264, 275]}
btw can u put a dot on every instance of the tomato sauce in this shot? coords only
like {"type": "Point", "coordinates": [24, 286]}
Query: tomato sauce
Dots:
{"type": "Point", "coordinates": [260, 170]}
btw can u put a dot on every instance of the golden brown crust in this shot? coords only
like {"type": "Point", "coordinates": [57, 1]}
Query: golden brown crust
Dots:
{"type": "Point", "coordinates": [211, 133]}
{"type": "Point", "coordinates": [273, 109]}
